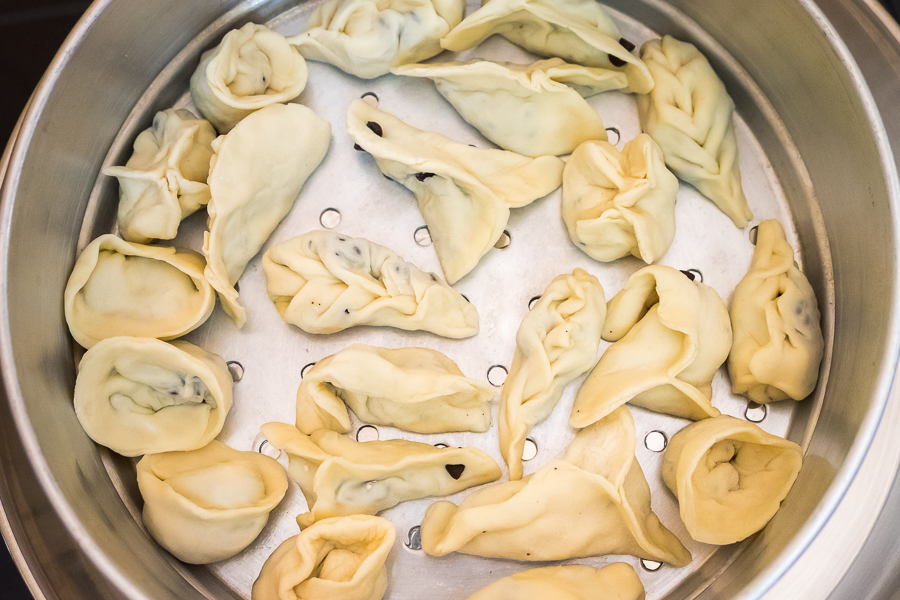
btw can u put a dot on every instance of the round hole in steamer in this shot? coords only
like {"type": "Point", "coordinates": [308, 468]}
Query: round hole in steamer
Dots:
{"type": "Point", "coordinates": [414, 538]}
{"type": "Point", "coordinates": [306, 369]}
{"type": "Point", "coordinates": [441, 445]}
{"type": "Point", "coordinates": [532, 302]}
{"type": "Point", "coordinates": [422, 236]}
{"type": "Point", "coordinates": [496, 375]}
{"type": "Point", "coordinates": [370, 98]}
{"type": "Point", "coordinates": [504, 241]}
{"type": "Point", "coordinates": [236, 369]}
{"type": "Point", "coordinates": [530, 450]}
{"type": "Point", "coordinates": [262, 446]}
{"type": "Point", "coordinates": [693, 275]}
{"type": "Point", "coordinates": [754, 234]}
{"type": "Point", "coordinates": [615, 133]}
{"type": "Point", "coordinates": [755, 413]}
{"type": "Point", "coordinates": [330, 218]}
{"type": "Point", "coordinates": [656, 441]}
{"type": "Point", "coordinates": [650, 565]}
{"type": "Point", "coordinates": [367, 433]}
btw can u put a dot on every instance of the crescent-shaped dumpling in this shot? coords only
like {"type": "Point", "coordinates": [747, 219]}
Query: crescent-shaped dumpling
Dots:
{"type": "Point", "coordinates": [617, 581]}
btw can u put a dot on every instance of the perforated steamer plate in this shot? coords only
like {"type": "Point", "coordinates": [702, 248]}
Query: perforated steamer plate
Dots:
{"type": "Point", "coordinates": [350, 195]}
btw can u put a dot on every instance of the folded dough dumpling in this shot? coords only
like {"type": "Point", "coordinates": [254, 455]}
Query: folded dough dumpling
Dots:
{"type": "Point", "coordinates": [142, 395]}
{"type": "Point", "coordinates": [778, 342]}
{"type": "Point", "coordinates": [164, 181]}
{"type": "Point", "coordinates": [689, 114]}
{"type": "Point", "coordinates": [556, 342]}
{"type": "Point", "coordinates": [578, 31]}
{"type": "Point", "coordinates": [617, 203]}
{"type": "Point", "coordinates": [729, 476]}
{"type": "Point", "coordinates": [253, 67]}
{"type": "Point", "coordinates": [324, 282]}
{"type": "Point", "coordinates": [464, 193]}
{"type": "Point", "coordinates": [597, 497]}
{"type": "Point", "coordinates": [209, 504]}
{"type": "Point", "coordinates": [521, 108]}
{"type": "Point", "coordinates": [416, 389]}
{"type": "Point", "coordinates": [617, 581]}
{"type": "Point", "coordinates": [117, 288]}
{"type": "Point", "coordinates": [367, 37]}
{"type": "Point", "coordinates": [255, 177]}
{"type": "Point", "coordinates": [340, 476]}
{"type": "Point", "coordinates": [336, 559]}
{"type": "Point", "coordinates": [671, 335]}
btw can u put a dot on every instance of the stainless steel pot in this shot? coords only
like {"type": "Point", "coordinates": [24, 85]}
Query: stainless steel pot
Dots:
{"type": "Point", "coordinates": [818, 85]}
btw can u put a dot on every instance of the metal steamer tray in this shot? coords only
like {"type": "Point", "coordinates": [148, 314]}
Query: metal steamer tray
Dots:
{"type": "Point", "coordinates": [348, 193]}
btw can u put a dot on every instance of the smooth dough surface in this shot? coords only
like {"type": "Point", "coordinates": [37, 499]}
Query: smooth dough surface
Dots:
{"type": "Point", "coordinates": [617, 581]}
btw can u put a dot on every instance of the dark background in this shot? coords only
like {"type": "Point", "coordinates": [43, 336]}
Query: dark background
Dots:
{"type": "Point", "coordinates": [31, 31]}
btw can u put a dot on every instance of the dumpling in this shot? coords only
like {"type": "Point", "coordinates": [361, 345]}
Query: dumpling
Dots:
{"type": "Point", "coordinates": [730, 477]}
{"type": "Point", "coordinates": [689, 114]}
{"type": "Point", "coordinates": [597, 495]}
{"type": "Point", "coordinates": [367, 37]}
{"type": "Point", "coordinates": [578, 31]}
{"type": "Point", "coordinates": [209, 504]}
{"type": "Point", "coordinates": [464, 193]}
{"type": "Point", "coordinates": [778, 342]}
{"type": "Point", "coordinates": [671, 335]}
{"type": "Point", "coordinates": [142, 396]}
{"type": "Point", "coordinates": [165, 179]}
{"type": "Point", "coordinates": [556, 342]}
{"type": "Point", "coordinates": [253, 67]}
{"type": "Point", "coordinates": [335, 559]}
{"type": "Point", "coordinates": [255, 177]}
{"type": "Point", "coordinates": [415, 389]}
{"type": "Point", "coordinates": [324, 282]}
{"type": "Point", "coordinates": [340, 476]}
{"type": "Point", "coordinates": [521, 108]}
{"type": "Point", "coordinates": [617, 203]}
{"type": "Point", "coordinates": [118, 288]}
{"type": "Point", "coordinates": [617, 581]}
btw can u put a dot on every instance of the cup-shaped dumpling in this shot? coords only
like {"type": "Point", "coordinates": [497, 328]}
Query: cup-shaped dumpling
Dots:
{"type": "Point", "coordinates": [778, 341]}
{"type": "Point", "coordinates": [340, 476]}
{"type": "Point", "coordinates": [416, 389]}
{"type": "Point", "coordinates": [209, 504]}
{"type": "Point", "coordinates": [335, 559]}
{"type": "Point", "coordinates": [253, 67]}
{"type": "Point", "coordinates": [324, 282]}
{"type": "Point", "coordinates": [142, 396]}
{"type": "Point", "coordinates": [117, 288]}
{"type": "Point", "coordinates": [165, 179]}
{"type": "Point", "coordinates": [617, 203]}
{"type": "Point", "coordinates": [556, 342]}
{"type": "Point", "coordinates": [671, 335]}
{"type": "Point", "coordinates": [617, 581]}
{"type": "Point", "coordinates": [729, 476]}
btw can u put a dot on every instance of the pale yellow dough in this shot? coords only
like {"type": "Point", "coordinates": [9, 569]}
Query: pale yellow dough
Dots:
{"type": "Point", "coordinates": [617, 581]}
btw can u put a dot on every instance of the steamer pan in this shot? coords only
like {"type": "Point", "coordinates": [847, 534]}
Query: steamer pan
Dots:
{"type": "Point", "coordinates": [816, 86]}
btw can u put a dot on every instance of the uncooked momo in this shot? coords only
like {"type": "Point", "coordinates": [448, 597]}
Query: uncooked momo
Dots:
{"type": "Point", "coordinates": [118, 288]}
{"type": "Point", "coordinates": [556, 342]}
{"type": "Point", "coordinates": [730, 477]}
{"type": "Point", "coordinates": [335, 559]}
{"type": "Point", "coordinates": [416, 389]}
{"type": "Point", "coordinates": [367, 37]}
{"type": "Point", "coordinates": [671, 335]}
{"type": "Point", "coordinates": [142, 395]}
{"type": "Point", "coordinates": [464, 193]}
{"type": "Point", "coordinates": [597, 496]}
{"type": "Point", "coordinates": [255, 177]}
{"type": "Point", "coordinates": [209, 504]}
{"type": "Point", "coordinates": [165, 179]}
{"type": "Point", "coordinates": [340, 476]}
{"type": "Point", "coordinates": [617, 581]}
{"type": "Point", "coordinates": [617, 203]}
{"type": "Point", "coordinates": [250, 69]}
{"type": "Point", "coordinates": [689, 114]}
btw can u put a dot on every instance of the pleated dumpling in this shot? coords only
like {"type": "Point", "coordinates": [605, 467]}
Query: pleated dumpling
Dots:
{"type": "Point", "coordinates": [689, 114]}
{"type": "Point", "coordinates": [464, 193]}
{"type": "Point", "coordinates": [617, 203]}
{"type": "Point", "coordinates": [253, 67]}
{"type": "Point", "coordinates": [578, 31]}
{"type": "Point", "coordinates": [255, 177]}
{"type": "Point", "coordinates": [142, 396]}
{"type": "Point", "coordinates": [367, 37]}
{"type": "Point", "coordinates": [556, 342]}
{"type": "Point", "coordinates": [335, 559]}
{"type": "Point", "coordinates": [209, 504]}
{"type": "Point", "coordinates": [671, 335]}
{"type": "Point", "coordinates": [416, 389]}
{"type": "Point", "coordinates": [617, 581]}
{"type": "Point", "coordinates": [340, 476]}
{"type": "Point", "coordinates": [730, 477]}
{"type": "Point", "coordinates": [324, 282]}
{"type": "Point", "coordinates": [118, 288]}
{"type": "Point", "coordinates": [597, 497]}
{"type": "Point", "coordinates": [165, 179]}
{"type": "Point", "coordinates": [778, 341]}
{"type": "Point", "coordinates": [522, 108]}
